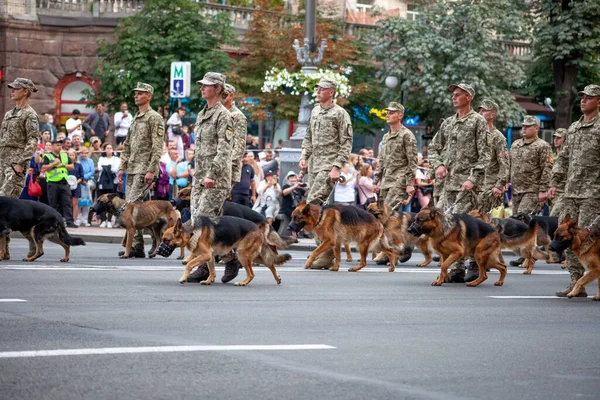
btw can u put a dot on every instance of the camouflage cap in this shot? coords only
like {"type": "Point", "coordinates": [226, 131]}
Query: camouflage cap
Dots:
{"type": "Point", "coordinates": [489, 105]}
{"type": "Point", "coordinates": [590, 90]}
{"type": "Point", "coordinates": [395, 106]}
{"type": "Point", "coordinates": [327, 83]}
{"type": "Point", "coordinates": [560, 132]}
{"type": "Point", "coordinates": [530, 120]}
{"type": "Point", "coordinates": [464, 86]}
{"type": "Point", "coordinates": [143, 87]}
{"type": "Point", "coordinates": [212, 78]}
{"type": "Point", "coordinates": [23, 83]}
{"type": "Point", "coordinates": [228, 89]}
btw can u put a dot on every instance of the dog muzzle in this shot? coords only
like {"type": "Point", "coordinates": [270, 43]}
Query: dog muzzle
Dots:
{"type": "Point", "coordinates": [559, 246]}
{"type": "Point", "coordinates": [294, 227]}
{"type": "Point", "coordinates": [415, 230]}
{"type": "Point", "coordinates": [165, 249]}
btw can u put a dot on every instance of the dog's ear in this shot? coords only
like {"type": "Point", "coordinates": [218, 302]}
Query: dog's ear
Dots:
{"type": "Point", "coordinates": [306, 209]}
{"type": "Point", "coordinates": [111, 196]}
{"type": "Point", "coordinates": [380, 202]}
{"type": "Point", "coordinates": [567, 219]}
{"type": "Point", "coordinates": [178, 225]}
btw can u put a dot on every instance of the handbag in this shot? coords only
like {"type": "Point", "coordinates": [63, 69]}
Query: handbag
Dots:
{"type": "Point", "coordinates": [86, 197]}
{"type": "Point", "coordinates": [176, 129]}
{"type": "Point", "coordinates": [425, 190]}
{"type": "Point", "coordinates": [369, 200]}
{"type": "Point", "coordinates": [34, 189]}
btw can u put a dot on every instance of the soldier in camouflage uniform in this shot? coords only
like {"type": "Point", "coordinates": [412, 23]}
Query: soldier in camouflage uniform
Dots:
{"type": "Point", "coordinates": [460, 152]}
{"type": "Point", "coordinates": [559, 137]}
{"type": "Point", "coordinates": [240, 128]}
{"type": "Point", "coordinates": [214, 138]}
{"type": "Point", "coordinates": [141, 154]}
{"type": "Point", "coordinates": [395, 172]}
{"type": "Point", "coordinates": [19, 134]}
{"type": "Point", "coordinates": [496, 174]}
{"type": "Point", "coordinates": [530, 169]}
{"type": "Point", "coordinates": [577, 168]}
{"type": "Point", "coordinates": [325, 149]}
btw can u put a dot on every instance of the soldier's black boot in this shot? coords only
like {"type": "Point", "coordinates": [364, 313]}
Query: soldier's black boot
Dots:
{"type": "Point", "coordinates": [407, 254]}
{"type": "Point", "coordinates": [517, 263]}
{"type": "Point", "coordinates": [457, 274]}
{"type": "Point", "coordinates": [472, 272]}
{"type": "Point", "coordinates": [232, 268]}
{"type": "Point", "coordinates": [135, 253]}
{"type": "Point", "coordinates": [200, 274]}
{"type": "Point", "coordinates": [384, 261]}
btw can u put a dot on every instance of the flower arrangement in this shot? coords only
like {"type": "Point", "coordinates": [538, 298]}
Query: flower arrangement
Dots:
{"type": "Point", "coordinates": [378, 113]}
{"type": "Point", "coordinates": [297, 83]}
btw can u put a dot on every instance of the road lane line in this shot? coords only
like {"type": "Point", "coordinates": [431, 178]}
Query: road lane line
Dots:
{"type": "Point", "coordinates": [13, 301]}
{"type": "Point", "coordinates": [160, 349]}
{"type": "Point", "coordinates": [523, 297]}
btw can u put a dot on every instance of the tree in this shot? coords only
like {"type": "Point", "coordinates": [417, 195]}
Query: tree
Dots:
{"type": "Point", "coordinates": [452, 42]}
{"type": "Point", "coordinates": [164, 31]}
{"type": "Point", "coordinates": [567, 38]}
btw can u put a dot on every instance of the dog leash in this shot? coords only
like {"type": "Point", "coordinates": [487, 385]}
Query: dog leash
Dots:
{"type": "Point", "coordinates": [144, 193]}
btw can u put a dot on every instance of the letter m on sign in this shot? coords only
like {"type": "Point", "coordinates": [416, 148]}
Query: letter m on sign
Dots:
{"type": "Point", "coordinates": [180, 79]}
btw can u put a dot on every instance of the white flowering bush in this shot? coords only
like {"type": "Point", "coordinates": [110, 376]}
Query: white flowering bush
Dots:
{"type": "Point", "coordinates": [296, 84]}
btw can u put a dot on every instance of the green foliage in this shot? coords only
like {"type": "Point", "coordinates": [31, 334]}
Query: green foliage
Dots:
{"type": "Point", "coordinates": [452, 42]}
{"type": "Point", "coordinates": [164, 31]}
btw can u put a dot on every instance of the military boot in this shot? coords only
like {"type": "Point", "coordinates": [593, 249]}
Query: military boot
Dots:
{"type": "Point", "coordinates": [135, 253]}
{"type": "Point", "coordinates": [472, 271]}
{"type": "Point", "coordinates": [517, 263]}
{"type": "Point", "coordinates": [436, 258]}
{"type": "Point", "coordinates": [574, 278]}
{"type": "Point", "coordinates": [200, 274]}
{"type": "Point", "coordinates": [384, 261]}
{"type": "Point", "coordinates": [232, 268]}
{"type": "Point", "coordinates": [324, 261]}
{"type": "Point", "coordinates": [457, 274]}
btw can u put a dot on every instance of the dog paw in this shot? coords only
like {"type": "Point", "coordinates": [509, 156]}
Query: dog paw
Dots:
{"type": "Point", "coordinates": [498, 283]}
{"type": "Point", "coordinates": [353, 269]}
{"type": "Point", "coordinates": [527, 272]}
{"type": "Point", "coordinates": [242, 283]}
{"type": "Point", "coordinates": [349, 259]}
{"type": "Point", "coordinates": [472, 284]}
{"type": "Point", "coordinates": [181, 258]}
{"type": "Point", "coordinates": [184, 262]}
{"type": "Point", "coordinates": [597, 298]}
{"type": "Point", "coordinates": [278, 280]}
{"type": "Point", "coordinates": [335, 268]}
{"type": "Point", "coordinates": [306, 266]}
{"type": "Point", "coordinates": [182, 280]}
{"type": "Point", "coordinates": [436, 283]}
{"type": "Point", "coordinates": [124, 256]}
{"type": "Point", "coordinates": [391, 268]}
{"type": "Point", "coordinates": [64, 260]}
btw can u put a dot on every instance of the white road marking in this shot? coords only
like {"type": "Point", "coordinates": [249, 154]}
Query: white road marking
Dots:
{"type": "Point", "coordinates": [160, 349]}
{"type": "Point", "coordinates": [13, 301]}
{"type": "Point", "coordinates": [523, 297]}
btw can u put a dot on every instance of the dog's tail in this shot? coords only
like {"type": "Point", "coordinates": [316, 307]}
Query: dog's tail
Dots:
{"type": "Point", "coordinates": [268, 256]}
{"type": "Point", "coordinates": [66, 238]}
{"type": "Point", "coordinates": [273, 238]}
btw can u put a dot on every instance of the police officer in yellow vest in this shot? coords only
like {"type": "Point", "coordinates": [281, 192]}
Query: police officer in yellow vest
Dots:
{"type": "Point", "coordinates": [56, 166]}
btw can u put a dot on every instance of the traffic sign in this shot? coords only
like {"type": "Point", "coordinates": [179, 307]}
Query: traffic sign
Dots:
{"type": "Point", "coordinates": [181, 72]}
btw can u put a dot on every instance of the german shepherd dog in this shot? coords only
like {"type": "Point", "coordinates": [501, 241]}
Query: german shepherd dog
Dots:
{"type": "Point", "coordinates": [516, 236]}
{"type": "Point", "coordinates": [336, 225]}
{"type": "Point", "coordinates": [585, 243]}
{"type": "Point", "coordinates": [458, 236]}
{"type": "Point", "coordinates": [395, 225]}
{"type": "Point", "coordinates": [37, 222]}
{"type": "Point", "coordinates": [155, 215]}
{"type": "Point", "coordinates": [218, 236]}
{"type": "Point", "coordinates": [548, 226]}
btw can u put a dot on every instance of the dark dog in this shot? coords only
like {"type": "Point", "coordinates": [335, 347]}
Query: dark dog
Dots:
{"type": "Point", "coordinates": [219, 236]}
{"type": "Point", "coordinates": [548, 226]}
{"type": "Point", "coordinates": [458, 236]}
{"type": "Point", "coordinates": [585, 243]}
{"type": "Point", "coordinates": [155, 215]}
{"type": "Point", "coordinates": [395, 225]}
{"type": "Point", "coordinates": [516, 236]}
{"type": "Point", "coordinates": [337, 225]}
{"type": "Point", "coordinates": [37, 222]}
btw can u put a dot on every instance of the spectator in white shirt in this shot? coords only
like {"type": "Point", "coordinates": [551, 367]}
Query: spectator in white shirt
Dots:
{"type": "Point", "coordinates": [74, 125]}
{"type": "Point", "coordinates": [108, 159]}
{"type": "Point", "coordinates": [122, 123]}
{"type": "Point", "coordinates": [175, 122]}
{"type": "Point", "coordinates": [344, 192]}
{"type": "Point", "coordinates": [268, 193]}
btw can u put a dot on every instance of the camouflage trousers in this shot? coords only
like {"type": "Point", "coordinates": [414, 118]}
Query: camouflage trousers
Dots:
{"type": "Point", "coordinates": [557, 204]}
{"type": "Point", "coordinates": [11, 183]}
{"type": "Point", "coordinates": [526, 203]}
{"type": "Point", "coordinates": [136, 191]}
{"type": "Point", "coordinates": [487, 201]}
{"type": "Point", "coordinates": [393, 197]}
{"type": "Point", "coordinates": [585, 211]}
{"type": "Point", "coordinates": [320, 187]}
{"type": "Point", "coordinates": [438, 190]}
{"type": "Point", "coordinates": [207, 202]}
{"type": "Point", "coordinates": [458, 202]}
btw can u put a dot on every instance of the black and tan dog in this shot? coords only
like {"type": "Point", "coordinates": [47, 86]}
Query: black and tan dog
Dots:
{"type": "Point", "coordinates": [336, 225]}
{"type": "Point", "coordinates": [395, 225]}
{"type": "Point", "coordinates": [585, 243]}
{"type": "Point", "coordinates": [458, 236]}
{"type": "Point", "coordinates": [518, 237]}
{"type": "Point", "coordinates": [212, 236]}
{"type": "Point", "coordinates": [154, 215]}
{"type": "Point", "coordinates": [37, 222]}
{"type": "Point", "coordinates": [547, 228]}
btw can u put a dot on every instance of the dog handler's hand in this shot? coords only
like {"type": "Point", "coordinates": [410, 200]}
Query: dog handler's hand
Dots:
{"type": "Point", "coordinates": [334, 174]}
{"type": "Point", "coordinates": [441, 172]}
{"type": "Point", "coordinates": [148, 178]}
{"type": "Point", "coordinates": [468, 185]}
{"type": "Point", "coordinates": [208, 183]}
{"type": "Point", "coordinates": [302, 163]}
{"type": "Point", "coordinates": [551, 192]}
{"type": "Point", "coordinates": [497, 193]}
{"type": "Point", "coordinates": [120, 175]}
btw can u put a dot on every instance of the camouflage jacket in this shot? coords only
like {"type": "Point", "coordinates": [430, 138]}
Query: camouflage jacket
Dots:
{"type": "Point", "coordinates": [144, 143]}
{"type": "Point", "coordinates": [214, 138]}
{"type": "Point", "coordinates": [462, 146]}
{"type": "Point", "coordinates": [328, 139]}
{"type": "Point", "coordinates": [238, 148]}
{"type": "Point", "coordinates": [397, 159]}
{"type": "Point", "coordinates": [578, 163]}
{"type": "Point", "coordinates": [19, 132]}
{"type": "Point", "coordinates": [497, 173]}
{"type": "Point", "coordinates": [530, 166]}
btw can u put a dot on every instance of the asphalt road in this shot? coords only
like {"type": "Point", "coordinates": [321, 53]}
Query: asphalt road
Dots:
{"type": "Point", "coordinates": [104, 328]}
